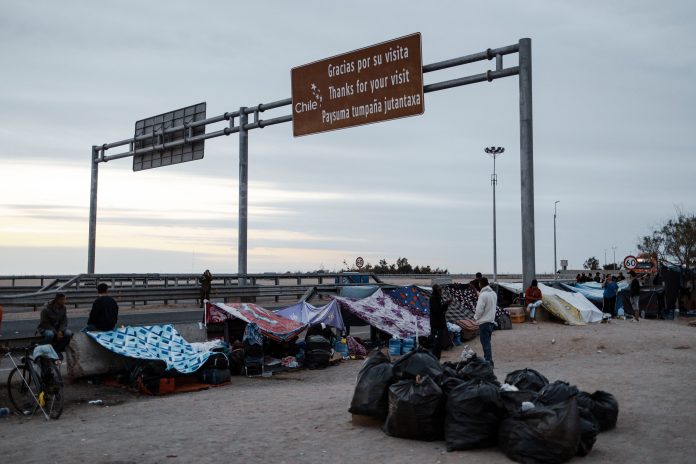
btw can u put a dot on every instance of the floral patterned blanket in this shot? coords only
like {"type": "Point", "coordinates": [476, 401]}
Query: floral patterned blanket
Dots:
{"type": "Point", "coordinates": [383, 312]}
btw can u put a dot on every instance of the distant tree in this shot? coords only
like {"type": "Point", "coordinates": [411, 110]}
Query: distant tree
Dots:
{"type": "Point", "coordinates": [591, 263]}
{"type": "Point", "coordinates": [674, 242]}
{"type": "Point", "coordinates": [611, 267]}
{"type": "Point", "coordinates": [402, 266]}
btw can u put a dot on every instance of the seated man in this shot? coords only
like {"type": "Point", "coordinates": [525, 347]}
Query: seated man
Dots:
{"type": "Point", "coordinates": [104, 314]}
{"type": "Point", "coordinates": [54, 324]}
{"type": "Point", "coordinates": [532, 297]}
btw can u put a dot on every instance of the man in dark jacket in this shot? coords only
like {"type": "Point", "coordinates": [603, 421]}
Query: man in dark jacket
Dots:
{"type": "Point", "coordinates": [53, 326]}
{"type": "Point", "coordinates": [476, 283]}
{"type": "Point", "coordinates": [438, 322]}
{"type": "Point", "coordinates": [206, 281]}
{"type": "Point", "coordinates": [104, 314]}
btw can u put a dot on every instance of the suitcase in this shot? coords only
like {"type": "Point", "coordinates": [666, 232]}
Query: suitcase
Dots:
{"type": "Point", "coordinates": [214, 376]}
{"type": "Point", "coordinates": [217, 361]}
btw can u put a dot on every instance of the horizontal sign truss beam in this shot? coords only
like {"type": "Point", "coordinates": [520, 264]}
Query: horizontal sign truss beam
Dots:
{"type": "Point", "coordinates": [258, 123]}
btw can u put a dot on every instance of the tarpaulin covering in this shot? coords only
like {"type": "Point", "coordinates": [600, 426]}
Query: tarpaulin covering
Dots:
{"type": "Point", "coordinates": [412, 296]}
{"type": "Point", "coordinates": [153, 343]}
{"type": "Point", "coordinates": [381, 311]}
{"type": "Point", "coordinates": [271, 325]}
{"type": "Point", "coordinates": [358, 291]}
{"type": "Point", "coordinates": [329, 314]}
{"type": "Point", "coordinates": [594, 292]}
{"type": "Point", "coordinates": [570, 307]}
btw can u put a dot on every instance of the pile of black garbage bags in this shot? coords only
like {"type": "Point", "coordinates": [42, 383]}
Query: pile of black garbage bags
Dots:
{"type": "Point", "coordinates": [528, 418]}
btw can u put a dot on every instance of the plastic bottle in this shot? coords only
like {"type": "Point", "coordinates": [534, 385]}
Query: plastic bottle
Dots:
{"type": "Point", "coordinates": [342, 347]}
{"type": "Point", "coordinates": [4, 412]}
{"type": "Point", "coordinates": [395, 347]}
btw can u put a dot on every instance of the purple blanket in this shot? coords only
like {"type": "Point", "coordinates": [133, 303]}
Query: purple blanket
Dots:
{"type": "Point", "coordinates": [381, 311]}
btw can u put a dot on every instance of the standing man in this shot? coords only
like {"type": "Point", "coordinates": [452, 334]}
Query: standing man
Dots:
{"type": "Point", "coordinates": [104, 314]}
{"type": "Point", "coordinates": [53, 326]}
{"type": "Point", "coordinates": [438, 322]}
{"type": "Point", "coordinates": [206, 281]}
{"type": "Point", "coordinates": [485, 317]}
{"type": "Point", "coordinates": [610, 290]}
{"type": "Point", "coordinates": [597, 277]}
{"type": "Point", "coordinates": [634, 295]}
{"type": "Point", "coordinates": [532, 297]}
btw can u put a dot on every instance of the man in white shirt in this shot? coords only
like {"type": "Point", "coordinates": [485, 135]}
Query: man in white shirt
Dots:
{"type": "Point", "coordinates": [485, 317]}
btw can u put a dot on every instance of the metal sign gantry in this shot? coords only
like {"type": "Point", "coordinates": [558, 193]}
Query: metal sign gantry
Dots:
{"type": "Point", "coordinates": [524, 69]}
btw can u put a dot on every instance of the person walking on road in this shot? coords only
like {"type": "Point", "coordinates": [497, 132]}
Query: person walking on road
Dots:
{"type": "Point", "coordinates": [206, 281]}
{"type": "Point", "coordinates": [634, 295]}
{"type": "Point", "coordinates": [438, 322]}
{"type": "Point", "coordinates": [610, 290]}
{"type": "Point", "coordinates": [532, 297]}
{"type": "Point", "coordinates": [53, 326]}
{"type": "Point", "coordinates": [485, 317]}
{"type": "Point", "coordinates": [104, 313]}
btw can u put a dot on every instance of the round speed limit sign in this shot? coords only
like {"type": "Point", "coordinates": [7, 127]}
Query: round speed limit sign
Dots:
{"type": "Point", "coordinates": [630, 262]}
{"type": "Point", "coordinates": [359, 262]}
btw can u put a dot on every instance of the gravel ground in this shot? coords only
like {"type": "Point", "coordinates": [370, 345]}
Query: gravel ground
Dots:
{"type": "Point", "coordinates": [302, 417]}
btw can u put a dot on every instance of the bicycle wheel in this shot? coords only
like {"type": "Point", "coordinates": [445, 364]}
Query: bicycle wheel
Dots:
{"type": "Point", "coordinates": [23, 388]}
{"type": "Point", "coordinates": [53, 391]}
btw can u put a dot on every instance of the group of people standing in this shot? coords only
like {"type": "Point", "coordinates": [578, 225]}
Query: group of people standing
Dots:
{"type": "Point", "coordinates": [611, 291]}
{"type": "Point", "coordinates": [484, 316]}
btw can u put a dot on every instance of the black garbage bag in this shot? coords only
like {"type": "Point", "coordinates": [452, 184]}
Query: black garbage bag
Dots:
{"type": "Point", "coordinates": [512, 400]}
{"type": "Point", "coordinates": [527, 379]}
{"type": "Point", "coordinates": [589, 428]}
{"type": "Point", "coordinates": [556, 392]}
{"type": "Point", "coordinates": [415, 410]}
{"type": "Point", "coordinates": [478, 369]}
{"type": "Point", "coordinates": [449, 383]}
{"type": "Point", "coordinates": [545, 434]}
{"type": "Point", "coordinates": [418, 362]}
{"type": "Point", "coordinates": [474, 410]}
{"type": "Point", "coordinates": [604, 407]}
{"type": "Point", "coordinates": [371, 395]}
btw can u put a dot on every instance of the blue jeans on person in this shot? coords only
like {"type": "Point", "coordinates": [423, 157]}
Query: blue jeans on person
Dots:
{"type": "Point", "coordinates": [532, 307]}
{"type": "Point", "coordinates": [49, 338]}
{"type": "Point", "coordinates": [485, 333]}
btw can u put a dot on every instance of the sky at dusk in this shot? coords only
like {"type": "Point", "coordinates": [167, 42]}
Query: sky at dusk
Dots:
{"type": "Point", "coordinates": [614, 121]}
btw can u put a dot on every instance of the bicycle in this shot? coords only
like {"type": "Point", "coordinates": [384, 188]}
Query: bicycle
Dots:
{"type": "Point", "coordinates": [36, 381]}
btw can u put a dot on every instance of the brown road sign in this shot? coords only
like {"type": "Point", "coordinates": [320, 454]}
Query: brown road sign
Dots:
{"type": "Point", "coordinates": [373, 84]}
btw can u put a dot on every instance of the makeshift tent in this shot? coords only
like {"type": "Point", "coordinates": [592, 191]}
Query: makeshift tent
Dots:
{"type": "Point", "coordinates": [306, 313]}
{"type": "Point", "coordinates": [570, 307]}
{"type": "Point", "coordinates": [271, 325]}
{"type": "Point", "coordinates": [381, 311]}
{"type": "Point", "coordinates": [153, 343]}
{"type": "Point", "coordinates": [413, 297]}
{"type": "Point", "coordinates": [594, 292]}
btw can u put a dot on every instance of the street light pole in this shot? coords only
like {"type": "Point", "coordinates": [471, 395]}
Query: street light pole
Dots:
{"type": "Point", "coordinates": [614, 264]}
{"type": "Point", "coordinates": [555, 261]}
{"type": "Point", "coordinates": [494, 152]}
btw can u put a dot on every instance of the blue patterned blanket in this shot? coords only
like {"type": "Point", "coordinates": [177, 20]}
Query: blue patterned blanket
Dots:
{"type": "Point", "coordinates": [156, 343]}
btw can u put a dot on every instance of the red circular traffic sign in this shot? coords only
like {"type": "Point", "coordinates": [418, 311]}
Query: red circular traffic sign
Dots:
{"type": "Point", "coordinates": [630, 262]}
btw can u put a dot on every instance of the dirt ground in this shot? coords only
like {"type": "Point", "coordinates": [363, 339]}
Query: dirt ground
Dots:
{"type": "Point", "coordinates": [302, 417]}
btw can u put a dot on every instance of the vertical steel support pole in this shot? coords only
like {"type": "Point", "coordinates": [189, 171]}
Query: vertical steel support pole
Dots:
{"type": "Point", "coordinates": [555, 260]}
{"type": "Point", "coordinates": [494, 181]}
{"type": "Point", "coordinates": [526, 161]}
{"type": "Point", "coordinates": [243, 195]}
{"type": "Point", "coordinates": [92, 240]}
